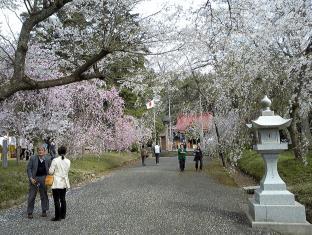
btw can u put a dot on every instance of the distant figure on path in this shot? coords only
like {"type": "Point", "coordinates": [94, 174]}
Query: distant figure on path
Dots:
{"type": "Point", "coordinates": [59, 169]}
{"type": "Point", "coordinates": [37, 169]}
{"type": "Point", "coordinates": [144, 154]}
{"type": "Point", "coordinates": [184, 146]}
{"type": "Point", "coordinates": [52, 149]}
{"type": "Point", "coordinates": [48, 143]}
{"type": "Point", "coordinates": [157, 151]}
{"type": "Point", "coordinates": [198, 157]}
{"type": "Point", "coordinates": [31, 148]}
{"type": "Point", "coordinates": [23, 143]}
{"type": "Point", "coordinates": [181, 157]}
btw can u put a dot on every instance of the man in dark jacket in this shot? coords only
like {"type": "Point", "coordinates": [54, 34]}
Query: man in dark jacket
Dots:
{"type": "Point", "coordinates": [181, 157]}
{"type": "Point", "coordinates": [198, 157]}
{"type": "Point", "coordinates": [37, 169]}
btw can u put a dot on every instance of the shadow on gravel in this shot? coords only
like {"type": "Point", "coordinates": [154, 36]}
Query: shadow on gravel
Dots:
{"type": "Point", "coordinates": [237, 217]}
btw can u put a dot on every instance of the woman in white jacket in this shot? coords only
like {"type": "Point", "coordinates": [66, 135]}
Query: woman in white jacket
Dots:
{"type": "Point", "coordinates": [59, 169]}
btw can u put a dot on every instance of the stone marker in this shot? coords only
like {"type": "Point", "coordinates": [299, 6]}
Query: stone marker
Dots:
{"type": "Point", "coordinates": [273, 206]}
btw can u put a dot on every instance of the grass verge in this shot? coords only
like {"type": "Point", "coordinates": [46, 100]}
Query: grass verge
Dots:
{"type": "Point", "coordinates": [215, 169]}
{"type": "Point", "coordinates": [14, 182]}
{"type": "Point", "coordinates": [296, 175]}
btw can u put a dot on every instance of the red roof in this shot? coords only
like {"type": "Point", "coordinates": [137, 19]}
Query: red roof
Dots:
{"type": "Point", "coordinates": [184, 121]}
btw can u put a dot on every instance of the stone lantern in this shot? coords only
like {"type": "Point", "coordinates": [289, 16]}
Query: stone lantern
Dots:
{"type": "Point", "coordinates": [273, 205]}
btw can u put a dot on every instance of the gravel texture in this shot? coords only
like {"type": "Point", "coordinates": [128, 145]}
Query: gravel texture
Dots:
{"type": "Point", "coordinates": [142, 200]}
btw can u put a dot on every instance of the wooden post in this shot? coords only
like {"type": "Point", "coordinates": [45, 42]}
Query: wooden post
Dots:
{"type": "Point", "coordinates": [5, 153]}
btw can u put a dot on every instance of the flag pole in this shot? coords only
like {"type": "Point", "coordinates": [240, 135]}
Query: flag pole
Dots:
{"type": "Point", "coordinates": [155, 123]}
{"type": "Point", "coordinates": [149, 105]}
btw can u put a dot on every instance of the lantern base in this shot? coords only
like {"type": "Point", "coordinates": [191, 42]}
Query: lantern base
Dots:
{"type": "Point", "coordinates": [282, 227]}
{"type": "Point", "coordinates": [277, 213]}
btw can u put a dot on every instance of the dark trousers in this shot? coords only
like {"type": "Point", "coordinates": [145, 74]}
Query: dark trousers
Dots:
{"type": "Point", "coordinates": [22, 155]}
{"type": "Point", "coordinates": [43, 195]}
{"type": "Point", "coordinates": [157, 157]}
{"type": "Point", "coordinates": [143, 160]}
{"type": "Point", "coordinates": [59, 203]}
{"type": "Point", "coordinates": [27, 154]}
{"type": "Point", "coordinates": [182, 164]}
{"type": "Point", "coordinates": [200, 163]}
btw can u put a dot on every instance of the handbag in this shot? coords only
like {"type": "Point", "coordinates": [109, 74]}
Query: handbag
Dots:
{"type": "Point", "coordinates": [49, 180]}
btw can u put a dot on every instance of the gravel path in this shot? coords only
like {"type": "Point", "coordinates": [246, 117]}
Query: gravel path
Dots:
{"type": "Point", "coordinates": [142, 200]}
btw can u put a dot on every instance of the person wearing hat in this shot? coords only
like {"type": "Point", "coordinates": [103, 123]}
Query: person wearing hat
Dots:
{"type": "Point", "coordinates": [37, 170]}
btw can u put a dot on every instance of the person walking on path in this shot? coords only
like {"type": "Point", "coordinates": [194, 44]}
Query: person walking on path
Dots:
{"type": "Point", "coordinates": [59, 169]}
{"type": "Point", "coordinates": [37, 170]}
{"type": "Point", "coordinates": [23, 143]}
{"type": "Point", "coordinates": [48, 143]}
{"type": "Point", "coordinates": [181, 157]}
{"type": "Point", "coordinates": [144, 154]}
{"type": "Point", "coordinates": [31, 148]}
{"type": "Point", "coordinates": [184, 146]}
{"type": "Point", "coordinates": [52, 149]}
{"type": "Point", "coordinates": [157, 151]}
{"type": "Point", "coordinates": [198, 157]}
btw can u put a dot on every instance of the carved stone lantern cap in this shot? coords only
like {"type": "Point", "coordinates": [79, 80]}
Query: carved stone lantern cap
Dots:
{"type": "Point", "coordinates": [268, 119]}
{"type": "Point", "coordinates": [266, 102]}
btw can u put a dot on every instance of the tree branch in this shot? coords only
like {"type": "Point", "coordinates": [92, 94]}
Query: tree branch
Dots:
{"type": "Point", "coordinates": [8, 41]}
{"type": "Point", "coordinates": [13, 86]}
{"type": "Point", "coordinates": [11, 31]}
{"type": "Point", "coordinates": [308, 49]}
{"type": "Point", "coordinates": [28, 7]}
{"type": "Point", "coordinates": [8, 55]}
{"type": "Point", "coordinates": [28, 25]}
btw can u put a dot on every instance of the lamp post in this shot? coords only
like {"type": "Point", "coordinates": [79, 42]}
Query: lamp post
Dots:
{"type": "Point", "coordinates": [273, 206]}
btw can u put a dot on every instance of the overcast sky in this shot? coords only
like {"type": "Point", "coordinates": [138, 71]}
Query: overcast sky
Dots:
{"type": "Point", "coordinates": [145, 8]}
{"type": "Point", "coordinates": [9, 17]}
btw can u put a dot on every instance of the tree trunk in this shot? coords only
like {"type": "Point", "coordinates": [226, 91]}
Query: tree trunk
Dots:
{"type": "Point", "coordinates": [306, 132]}
{"type": "Point", "coordinates": [294, 113]}
{"type": "Point", "coordinates": [295, 134]}
{"type": "Point", "coordinates": [219, 144]}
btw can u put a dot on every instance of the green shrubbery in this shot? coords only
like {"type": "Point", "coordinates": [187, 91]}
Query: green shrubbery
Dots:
{"type": "Point", "coordinates": [134, 148]}
{"type": "Point", "coordinates": [13, 183]}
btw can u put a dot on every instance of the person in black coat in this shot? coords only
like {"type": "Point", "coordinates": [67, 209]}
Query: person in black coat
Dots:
{"type": "Point", "coordinates": [144, 154]}
{"type": "Point", "coordinates": [198, 158]}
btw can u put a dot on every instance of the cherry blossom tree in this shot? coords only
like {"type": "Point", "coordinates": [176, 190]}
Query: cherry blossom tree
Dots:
{"type": "Point", "coordinates": [60, 43]}
{"type": "Point", "coordinates": [111, 33]}
{"type": "Point", "coordinates": [246, 49]}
